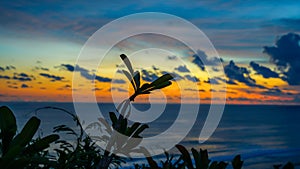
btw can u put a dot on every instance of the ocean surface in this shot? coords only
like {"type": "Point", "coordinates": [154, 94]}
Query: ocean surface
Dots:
{"type": "Point", "coordinates": [264, 135]}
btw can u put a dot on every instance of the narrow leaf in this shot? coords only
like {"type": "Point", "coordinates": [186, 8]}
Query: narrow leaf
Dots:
{"type": "Point", "coordinates": [237, 163]}
{"type": "Point", "coordinates": [163, 78]}
{"type": "Point", "coordinates": [131, 129]}
{"type": "Point", "coordinates": [8, 127]}
{"type": "Point", "coordinates": [130, 78]}
{"type": "Point", "coordinates": [27, 133]}
{"type": "Point", "coordinates": [140, 130]}
{"type": "Point", "coordinates": [127, 63]}
{"type": "Point", "coordinates": [41, 144]}
{"type": "Point", "coordinates": [137, 79]}
{"type": "Point", "coordinates": [185, 156]}
{"type": "Point", "coordinates": [196, 158]}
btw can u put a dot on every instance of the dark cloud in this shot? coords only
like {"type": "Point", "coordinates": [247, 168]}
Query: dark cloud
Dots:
{"type": "Point", "coordinates": [183, 69]}
{"type": "Point", "coordinates": [155, 68]}
{"type": "Point", "coordinates": [101, 79]}
{"type": "Point", "coordinates": [286, 56]}
{"type": "Point", "coordinates": [192, 78]}
{"type": "Point", "coordinates": [242, 99]}
{"type": "Point", "coordinates": [10, 67]}
{"type": "Point", "coordinates": [264, 71]}
{"type": "Point", "coordinates": [117, 89]}
{"type": "Point", "coordinates": [4, 77]}
{"type": "Point", "coordinates": [65, 87]}
{"type": "Point", "coordinates": [273, 91]}
{"type": "Point", "coordinates": [240, 74]}
{"type": "Point", "coordinates": [175, 75]}
{"type": "Point", "coordinates": [22, 77]}
{"type": "Point", "coordinates": [119, 71]}
{"type": "Point", "coordinates": [200, 58]}
{"type": "Point", "coordinates": [84, 73]}
{"type": "Point", "coordinates": [118, 81]}
{"type": "Point", "coordinates": [212, 81]}
{"type": "Point", "coordinates": [148, 76]}
{"type": "Point", "coordinates": [96, 89]}
{"type": "Point", "coordinates": [172, 57]}
{"type": "Point", "coordinates": [41, 68]}
{"type": "Point", "coordinates": [194, 90]}
{"type": "Point", "coordinates": [24, 86]}
{"type": "Point", "coordinates": [13, 87]}
{"type": "Point", "coordinates": [53, 78]}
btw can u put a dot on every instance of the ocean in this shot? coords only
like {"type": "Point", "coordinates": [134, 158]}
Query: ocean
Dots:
{"type": "Point", "coordinates": [264, 135]}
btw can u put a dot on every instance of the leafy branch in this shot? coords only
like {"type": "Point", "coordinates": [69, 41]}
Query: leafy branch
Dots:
{"type": "Point", "coordinates": [135, 79]}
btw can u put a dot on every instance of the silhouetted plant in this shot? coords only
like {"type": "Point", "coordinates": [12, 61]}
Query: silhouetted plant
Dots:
{"type": "Point", "coordinates": [120, 123]}
{"type": "Point", "coordinates": [84, 154]}
{"type": "Point", "coordinates": [288, 165]}
{"type": "Point", "coordinates": [134, 77]}
{"type": "Point", "coordinates": [201, 160]}
{"type": "Point", "coordinates": [20, 150]}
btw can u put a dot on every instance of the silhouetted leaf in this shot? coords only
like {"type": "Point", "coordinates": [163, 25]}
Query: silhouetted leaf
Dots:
{"type": "Point", "coordinates": [196, 158]}
{"type": "Point", "coordinates": [237, 163]}
{"type": "Point", "coordinates": [41, 144]}
{"type": "Point", "coordinates": [130, 78]}
{"type": "Point", "coordinates": [131, 129]}
{"type": "Point", "coordinates": [288, 165]}
{"type": "Point", "coordinates": [8, 127]}
{"type": "Point", "coordinates": [137, 77]}
{"type": "Point", "coordinates": [27, 133]}
{"type": "Point", "coordinates": [163, 85]}
{"type": "Point", "coordinates": [204, 158]}
{"type": "Point", "coordinates": [185, 156]}
{"type": "Point", "coordinates": [140, 130]}
{"type": "Point", "coordinates": [127, 63]}
{"type": "Point", "coordinates": [113, 118]}
{"type": "Point", "coordinates": [162, 79]}
{"type": "Point", "coordinates": [145, 87]}
{"type": "Point", "coordinates": [11, 154]}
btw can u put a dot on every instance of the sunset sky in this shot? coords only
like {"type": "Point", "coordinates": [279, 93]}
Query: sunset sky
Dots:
{"type": "Point", "coordinates": [258, 42]}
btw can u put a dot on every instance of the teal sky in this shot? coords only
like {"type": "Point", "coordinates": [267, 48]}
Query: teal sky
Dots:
{"type": "Point", "coordinates": [50, 33]}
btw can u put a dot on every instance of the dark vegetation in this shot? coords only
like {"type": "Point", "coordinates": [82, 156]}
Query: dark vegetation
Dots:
{"type": "Point", "coordinates": [23, 150]}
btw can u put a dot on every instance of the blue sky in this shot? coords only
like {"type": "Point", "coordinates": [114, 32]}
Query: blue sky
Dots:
{"type": "Point", "coordinates": [52, 32]}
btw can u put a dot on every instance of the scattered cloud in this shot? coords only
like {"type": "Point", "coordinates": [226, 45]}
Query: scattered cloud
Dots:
{"type": "Point", "coordinates": [4, 77]}
{"type": "Point", "coordinates": [84, 73]}
{"type": "Point", "coordinates": [53, 78]}
{"type": "Point", "coordinates": [175, 75]}
{"type": "Point", "coordinates": [240, 74]}
{"type": "Point", "coordinates": [192, 78]}
{"type": "Point", "coordinates": [22, 77]}
{"type": "Point", "coordinates": [148, 76]}
{"type": "Point", "coordinates": [24, 86]}
{"type": "Point", "coordinates": [212, 81]}
{"type": "Point", "coordinates": [286, 56]}
{"type": "Point", "coordinates": [13, 87]}
{"type": "Point", "coordinates": [264, 71]}
{"type": "Point", "coordinates": [96, 89]}
{"type": "Point", "coordinates": [118, 81]}
{"type": "Point", "coordinates": [65, 87]}
{"type": "Point", "coordinates": [182, 69]}
{"type": "Point", "coordinates": [41, 68]}
{"type": "Point", "coordinates": [194, 90]}
{"type": "Point", "coordinates": [173, 57]}
{"type": "Point", "coordinates": [200, 58]}
{"type": "Point", "coordinates": [10, 67]}
{"type": "Point", "coordinates": [117, 89]}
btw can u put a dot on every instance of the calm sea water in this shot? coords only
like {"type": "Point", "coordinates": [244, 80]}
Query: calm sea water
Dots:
{"type": "Point", "coordinates": [263, 135]}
